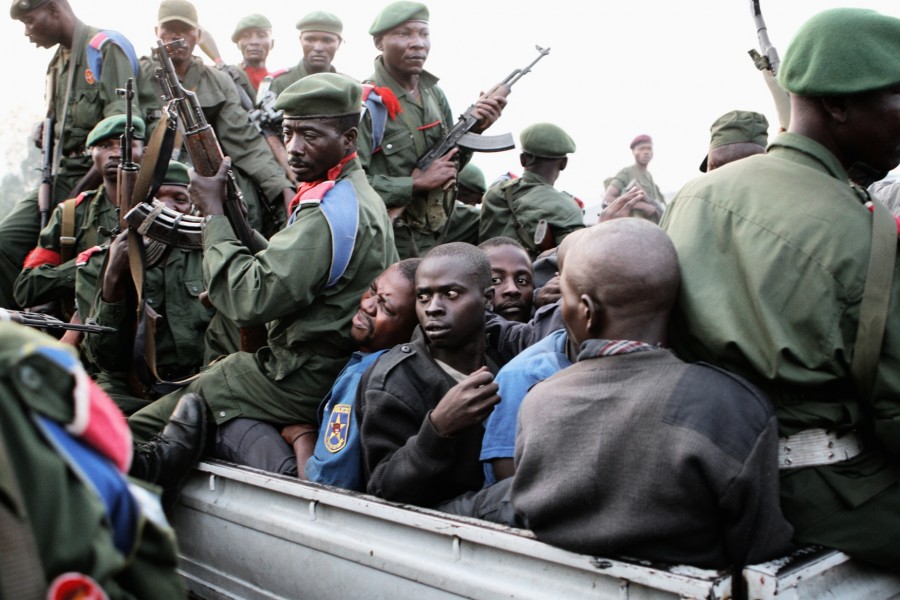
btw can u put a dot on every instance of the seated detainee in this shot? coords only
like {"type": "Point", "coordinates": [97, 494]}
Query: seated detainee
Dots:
{"type": "Point", "coordinates": [422, 404]}
{"type": "Point", "coordinates": [512, 276]}
{"type": "Point", "coordinates": [664, 460]}
{"type": "Point", "coordinates": [532, 365]}
{"type": "Point", "coordinates": [386, 317]}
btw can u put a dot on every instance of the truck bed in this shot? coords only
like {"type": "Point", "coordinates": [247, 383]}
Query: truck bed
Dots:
{"type": "Point", "coordinates": [249, 534]}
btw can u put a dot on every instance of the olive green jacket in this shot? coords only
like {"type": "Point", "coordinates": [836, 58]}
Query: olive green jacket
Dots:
{"type": "Point", "coordinates": [630, 174]}
{"type": "Point", "coordinates": [51, 280]}
{"type": "Point", "coordinates": [66, 516]}
{"type": "Point", "coordinates": [88, 101]}
{"type": "Point", "coordinates": [773, 252]}
{"type": "Point", "coordinates": [282, 285]}
{"type": "Point", "coordinates": [406, 138]}
{"type": "Point", "coordinates": [533, 199]}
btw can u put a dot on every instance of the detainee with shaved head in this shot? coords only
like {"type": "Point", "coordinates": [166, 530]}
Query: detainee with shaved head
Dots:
{"type": "Point", "coordinates": [631, 451]}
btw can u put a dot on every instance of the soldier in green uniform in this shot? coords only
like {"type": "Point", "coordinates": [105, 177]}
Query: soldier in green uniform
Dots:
{"type": "Point", "coordinates": [50, 268]}
{"type": "Point", "coordinates": [253, 36]}
{"type": "Point", "coordinates": [320, 38]}
{"type": "Point", "coordinates": [54, 525]}
{"type": "Point", "coordinates": [78, 98]}
{"type": "Point", "coordinates": [514, 208]}
{"type": "Point", "coordinates": [255, 165]}
{"type": "Point", "coordinates": [418, 116]}
{"type": "Point", "coordinates": [637, 175]}
{"type": "Point", "coordinates": [173, 282]}
{"type": "Point", "coordinates": [735, 135]}
{"type": "Point", "coordinates": [306, 284]}
{"type": "Point", "coordinates": [463, 224]}
{"type": "Point", "coordinates": [774, 252]}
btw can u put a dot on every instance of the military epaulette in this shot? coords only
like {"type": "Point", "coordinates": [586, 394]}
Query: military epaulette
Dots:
{"type": "Point", "coordinates": [95, 51]}
{"type": "Point", "coordinates": [381, 103]}
{"type": "Point", "coordinates": [83, 196]}
{"type": "Point", "coordinates": [278, 73]}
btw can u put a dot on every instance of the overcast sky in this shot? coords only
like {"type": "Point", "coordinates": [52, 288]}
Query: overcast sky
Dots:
{"type": "Point", "coordinates": [615, 69]}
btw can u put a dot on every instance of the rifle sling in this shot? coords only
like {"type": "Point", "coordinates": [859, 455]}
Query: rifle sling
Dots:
{"type": "Point", "coordinates": [527, 239]}
{"type": "Point", "coordinates": [155, 162]}
{"type": "Point", "coordinates": [873, 309]}
{"type": "Point", "coordinates": [144, 353]}
{"type": "Point", "coordinates": [67, 250]}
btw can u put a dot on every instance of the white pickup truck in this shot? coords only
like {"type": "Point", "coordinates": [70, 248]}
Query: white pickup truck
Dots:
{"type": "Point", "coordinates": [248, 534]}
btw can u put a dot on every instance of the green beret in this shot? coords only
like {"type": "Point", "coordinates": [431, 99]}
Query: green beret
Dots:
{"type": "Point", "coordinates": [472, 178]}
{"type": "Point", "coordinates": [113, 127]}
{"type": "Point", "coordinates": [842, 51]}
{"type": "Point", "coordinates": [738, 127]}
{"type": "Point", "coordinates": [176, 174]}
{"type": "Point", "coordinates": [321, 21]}
{"type": "Point", "coordinates": [546, 140]}
{"type": "Point", "coordinates": [398, 13]}
{"type": "Point", "coordinates": [321, 95]}
{"type": "Point", "coordinates": [254, 21]}
{"type": "Point", "coordinates": [20, 7]}
{"type": "Point", "coordinates": [177, 10]}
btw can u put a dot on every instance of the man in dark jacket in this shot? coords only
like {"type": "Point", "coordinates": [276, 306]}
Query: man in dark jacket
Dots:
{"type": "Point", "coordinates": [423, 404]}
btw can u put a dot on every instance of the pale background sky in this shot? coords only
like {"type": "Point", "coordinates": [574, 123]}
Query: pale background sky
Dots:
{"type": "Point", "coordinates": [615, 69]}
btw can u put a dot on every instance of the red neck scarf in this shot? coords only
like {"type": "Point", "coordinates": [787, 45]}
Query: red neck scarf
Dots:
{"type": "Point", "coordinates": [305, 187]}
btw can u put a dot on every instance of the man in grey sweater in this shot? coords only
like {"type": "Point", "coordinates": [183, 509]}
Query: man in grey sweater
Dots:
{"type": "Point", "coordinates": [631, 451]}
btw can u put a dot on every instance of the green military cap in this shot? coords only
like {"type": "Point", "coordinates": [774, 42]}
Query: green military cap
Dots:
{"type": "Point", "coordinates": [114, 126]}
{"type": "Point", "coordinates": [321, 95]}
{"type": "Point", "coordinates": [20, 7]}
{"type": "Point", "coordinates": [546, 140]}
{"type": "Point", "coordinates": [738, 127]}
{"type": "Point", "coordinates": [472, 178]}
{"type": "Point", "coordinates": [254, 21]}
{"type": "Point", "coordinates": [321, 21]}
{"type": "Point", "coordinates": [397, 13]}
{"type": "Point", "coordinates": [176, 174]}
{"type": "Point", "coordinates": [177, 10]}
{"type": "Point", "coordinates": [842, 51]}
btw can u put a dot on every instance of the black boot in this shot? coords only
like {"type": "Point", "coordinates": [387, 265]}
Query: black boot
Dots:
{"type": "Point", "coordinates": [168, 458]}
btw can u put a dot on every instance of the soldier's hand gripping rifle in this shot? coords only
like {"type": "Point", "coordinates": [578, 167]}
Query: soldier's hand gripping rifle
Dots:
{"type": "Point", "coordinates": [767, 61]}
{"type": "Point", "coordinates": [461, 133]}
{"type": "Point", "coordinates": [200, 140]}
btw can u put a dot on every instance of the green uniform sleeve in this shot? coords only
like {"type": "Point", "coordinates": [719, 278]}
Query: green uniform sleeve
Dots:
{"type": "Point", "coordinates": [280, 280]}
{"type": "Point", "coordinates": [48, 281]}
{"type": "Point", "coordinates": [105, 351]}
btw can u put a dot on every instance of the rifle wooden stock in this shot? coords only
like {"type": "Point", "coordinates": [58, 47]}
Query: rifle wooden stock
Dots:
{"type": "Point", "coordinates": [207, 156]}
{"type": "Point", "coordinates": [126, 179]}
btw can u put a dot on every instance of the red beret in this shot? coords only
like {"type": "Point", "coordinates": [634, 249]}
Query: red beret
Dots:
{"type": "Point", "coordinates": [641, 139]}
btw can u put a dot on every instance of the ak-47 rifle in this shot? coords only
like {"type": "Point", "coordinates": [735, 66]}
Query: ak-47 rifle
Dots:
{"type": "Point", "coordinates": [767, 61]}
{"type": "Point", "coordinates": [206, 156]}
{"type": "Point", "coordinates": [461, 133]}
{"type": "Point", "coordinates": [266, 120]}
{"type": "Point", "coordinates": [126, 176]}
{"type": "Point", "coordinates": [45, 191]}
{"type": "Point", "coordinates": [43, 321]}
{"type": "Point", "coordinates": [200, 140]}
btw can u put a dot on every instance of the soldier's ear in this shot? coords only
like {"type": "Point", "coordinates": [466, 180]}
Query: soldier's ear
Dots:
{"type": "Point", "coordinates": [379, 39]}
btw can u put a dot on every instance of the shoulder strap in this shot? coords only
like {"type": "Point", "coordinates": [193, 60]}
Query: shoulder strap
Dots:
{"type": "Point", "coordinates": [95, 51]}
{"type": "Point", "coordinates": [67, 231]}
{"type": "Point", "coordinates": [873, 309]}
{"type": "Point", "coordinates": [340, 207]}
{"type": "Point", "coordinates": [527, 240]}
{"type": "Point", "coordinates": [21, 569]}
